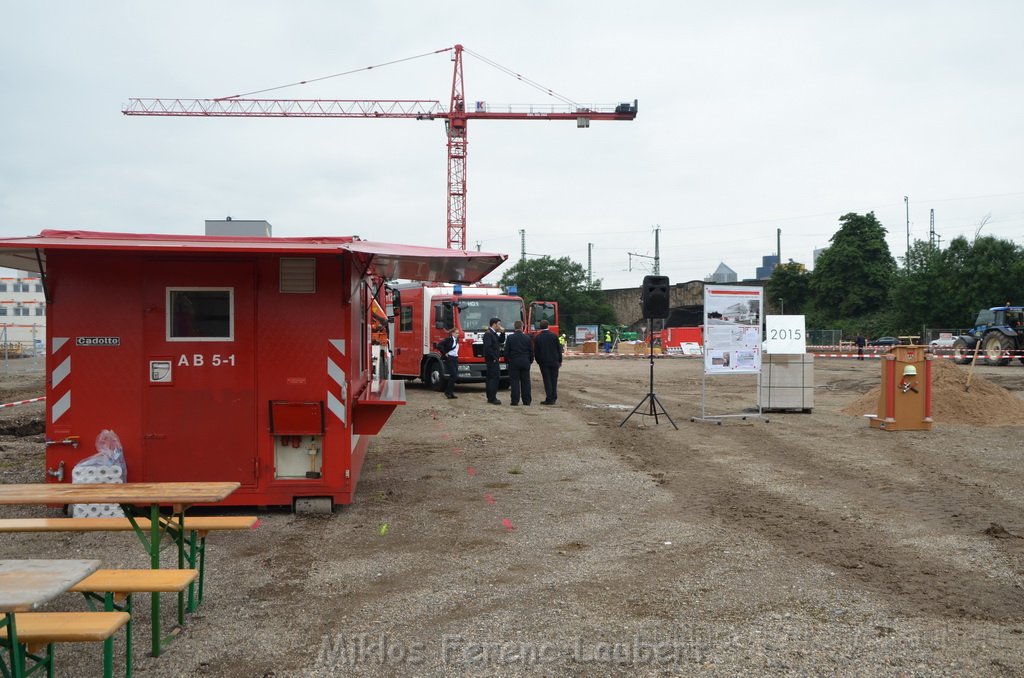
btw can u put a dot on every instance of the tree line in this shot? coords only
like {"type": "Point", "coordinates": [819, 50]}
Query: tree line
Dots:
{"type": "Point", "coordinates": [580, 301]}
{"type": "Point", "coordinates": [858, 287]}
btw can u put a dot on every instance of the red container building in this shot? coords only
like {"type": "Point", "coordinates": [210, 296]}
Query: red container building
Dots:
{"type": "Point", "coordinates": [221, 358]}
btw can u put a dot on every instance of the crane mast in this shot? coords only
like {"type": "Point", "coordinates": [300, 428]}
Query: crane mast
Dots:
{"type": "Point", "coordinates": [456, 122]}
{"type": "Point", "coordinates": [458, 144]}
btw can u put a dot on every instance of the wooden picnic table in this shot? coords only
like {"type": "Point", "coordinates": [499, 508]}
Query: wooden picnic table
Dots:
{"type": "Point", "coordinates": [133, 498]}
{"type": "Point", "coordinates": [26, 585]}
{"type": "Point", "coordinates": [133, 494]}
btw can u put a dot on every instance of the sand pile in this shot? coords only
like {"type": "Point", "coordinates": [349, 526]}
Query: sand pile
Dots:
{"type": "Point", "coordinates": [986, 404]}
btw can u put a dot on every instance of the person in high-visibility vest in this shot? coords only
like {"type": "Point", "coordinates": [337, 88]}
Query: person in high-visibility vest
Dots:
{"type": "Point", "coordinates": [607, 342]}
{"type": "Point", "coordinates": [562, 342]}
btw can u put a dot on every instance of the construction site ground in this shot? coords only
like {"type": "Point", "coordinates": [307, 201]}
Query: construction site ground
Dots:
{"type": "Point", "coordinates": [553, 541]}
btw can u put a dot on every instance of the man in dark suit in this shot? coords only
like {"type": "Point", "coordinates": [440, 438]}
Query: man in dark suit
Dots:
{"type": "Point", "coordinates": [519, 356]}
{"type": "Point", "coordinates": [547, 351]}
{"type": "Point", "coordinates": [493, 338]}
{"type": "Point", "coordinates": [449, 348]}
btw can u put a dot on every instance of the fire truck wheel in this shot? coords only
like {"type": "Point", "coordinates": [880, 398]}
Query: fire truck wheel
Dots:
{"type": "Point", "coordinates": [433, 374]}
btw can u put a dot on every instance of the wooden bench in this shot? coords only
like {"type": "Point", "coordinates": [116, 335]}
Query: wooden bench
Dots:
{"type": "Point", "coordinates": [40, 630]}
{"type": "Point", "coordinates": [198, 528]}
{"type": "Point", "coordinates": [114, 589]}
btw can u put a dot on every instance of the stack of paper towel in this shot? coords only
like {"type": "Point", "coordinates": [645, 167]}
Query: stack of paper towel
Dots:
{"type": "Point", "coordinates": [92, 474]}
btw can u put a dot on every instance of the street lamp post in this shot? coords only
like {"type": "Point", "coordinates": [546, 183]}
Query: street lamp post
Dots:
{"type": "Point", "coordinates": [782, 307]}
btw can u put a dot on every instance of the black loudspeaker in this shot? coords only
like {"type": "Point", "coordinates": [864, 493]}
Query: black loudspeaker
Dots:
{"type": "Point", "coordinates": [654, 296]}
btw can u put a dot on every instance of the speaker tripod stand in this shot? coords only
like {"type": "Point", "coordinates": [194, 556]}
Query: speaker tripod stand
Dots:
{"type": "Point", "coordinates": [651, 400]}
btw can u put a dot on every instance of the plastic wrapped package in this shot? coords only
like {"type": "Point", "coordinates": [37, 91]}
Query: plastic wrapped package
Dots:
{"type": "Point", "coordinates": [106, 466]}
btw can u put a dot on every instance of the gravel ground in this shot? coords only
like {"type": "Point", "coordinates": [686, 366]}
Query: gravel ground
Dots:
{"type": "Point", "coordinates": [552, 541]}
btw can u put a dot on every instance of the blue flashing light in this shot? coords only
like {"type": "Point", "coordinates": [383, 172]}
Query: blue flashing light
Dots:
{"type": "Point", "coordinates": [458, 289]}
{"type": "Point", "coordinates": [513, 289]}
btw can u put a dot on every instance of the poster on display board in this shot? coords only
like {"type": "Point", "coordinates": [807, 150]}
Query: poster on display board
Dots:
{"type": "Point", "coordinates": [732, 329]}
{"type": "Point", "coordinates": [586, 333]}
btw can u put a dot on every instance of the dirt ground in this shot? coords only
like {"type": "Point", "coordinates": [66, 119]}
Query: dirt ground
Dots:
{"type": "Point", "coordinates": [552, 541]}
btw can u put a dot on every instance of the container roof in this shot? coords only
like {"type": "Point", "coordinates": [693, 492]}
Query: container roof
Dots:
{"type": "Point", "coordinates": [384, 259]}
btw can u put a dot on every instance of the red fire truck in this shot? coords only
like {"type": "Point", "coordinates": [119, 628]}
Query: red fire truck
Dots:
{"type": "Point", "coordinates": [422, 314]}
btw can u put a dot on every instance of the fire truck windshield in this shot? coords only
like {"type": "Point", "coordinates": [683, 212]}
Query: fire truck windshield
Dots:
{"type": "Point", "coordinates": [474, 313]}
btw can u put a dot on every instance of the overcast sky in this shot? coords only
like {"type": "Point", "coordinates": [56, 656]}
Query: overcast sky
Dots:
{"type": "Point", "coordinates": [753, 116]}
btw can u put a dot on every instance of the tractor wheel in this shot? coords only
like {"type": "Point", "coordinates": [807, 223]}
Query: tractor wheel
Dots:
{"type": "Point", "coordinates": [997, 346]}
{"type": "Point", "coordinates": [961, 354]}
{"type": "Point", "coordinates": [433, 374]}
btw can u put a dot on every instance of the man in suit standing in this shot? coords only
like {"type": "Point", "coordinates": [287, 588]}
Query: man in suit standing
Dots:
{"type": "Point", "coordinates": [449, 348]}
{"type": "Point", "coordinates": [519, 356]}
{"type": "Point", "coordinates": [493, 338]}
{"type": "Point", "coordinates": [548, 354]}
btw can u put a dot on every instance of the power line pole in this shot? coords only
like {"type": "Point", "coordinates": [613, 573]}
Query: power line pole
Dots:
{"type": "Point", "coordinates": [656, 268]}
{"type": "Point", "coordinates": [657, 250]}
{"type": "Point", "coordinates": [590, 262]}
{"type": "Point", "coordinates": [522, 246]}
{"type": "Point", "coordinates": [906, 200]}
{"type": "Point", "coordinates": [931, 228]}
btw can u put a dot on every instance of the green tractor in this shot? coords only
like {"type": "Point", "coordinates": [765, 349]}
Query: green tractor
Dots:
{"type": "Point", "coordinates": [998, 337]}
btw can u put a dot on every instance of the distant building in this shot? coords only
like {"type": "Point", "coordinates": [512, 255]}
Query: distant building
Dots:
{"type": "Point", "coordinates": [768, 264]}
{"type": "Point", "coordinates": [722, 275]}
{"type": "Point", "coordinates": [238, 227]}
{"type": "Point", "coordinates": [817, 253]}
{"type": "Point", "coordinates": [22, 312]}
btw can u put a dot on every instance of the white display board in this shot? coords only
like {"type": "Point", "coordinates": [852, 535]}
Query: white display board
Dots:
{"type": "Point", "coordinates": [732, 329]}
{"type": "Point", "coordinates": [785, 335]}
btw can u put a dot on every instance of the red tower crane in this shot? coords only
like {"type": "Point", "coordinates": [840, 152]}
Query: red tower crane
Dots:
{"type": "Point", "coordinates": [456, 120]}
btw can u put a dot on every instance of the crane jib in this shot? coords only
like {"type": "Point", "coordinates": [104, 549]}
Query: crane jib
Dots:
{"type": "Point", "coordinates": [456, 117]}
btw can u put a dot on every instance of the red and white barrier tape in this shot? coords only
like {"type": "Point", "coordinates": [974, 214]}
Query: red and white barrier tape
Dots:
{"type": "Point", "coordinates": [23, 402]}
{"type": "Point", "coordinates": [947, 356]}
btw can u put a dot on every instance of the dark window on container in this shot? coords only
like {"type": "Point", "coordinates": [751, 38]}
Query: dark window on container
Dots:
{"type": "Point", "coordinates": [196, 314]}
{"type": "Point", "coordinates": [405, 321]}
